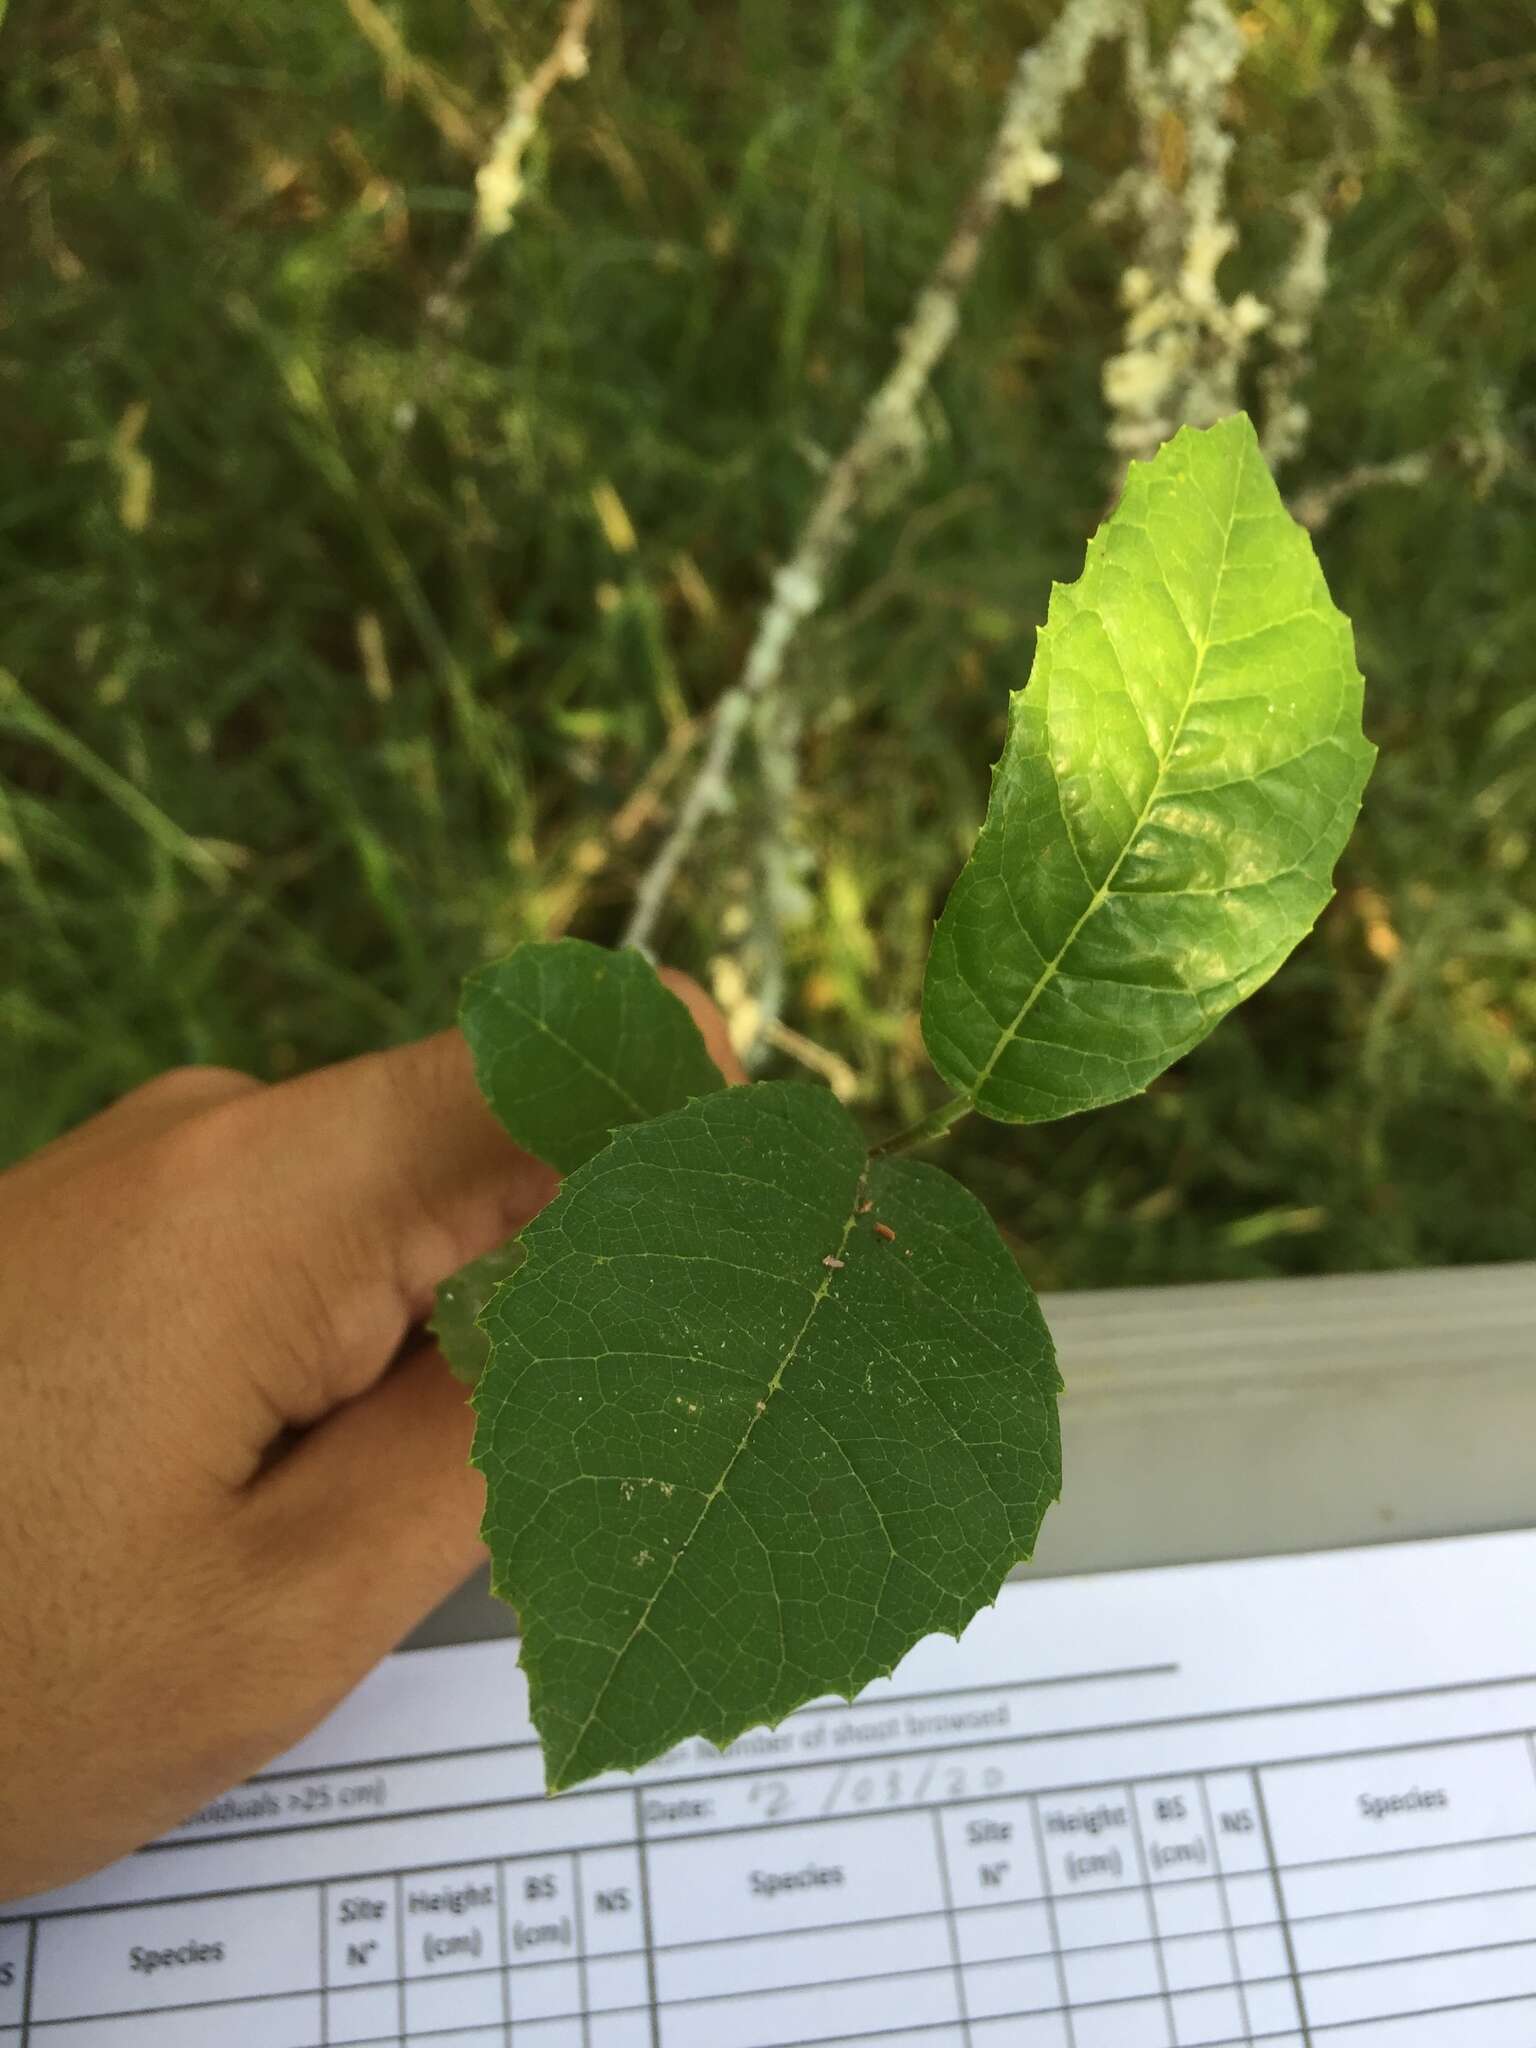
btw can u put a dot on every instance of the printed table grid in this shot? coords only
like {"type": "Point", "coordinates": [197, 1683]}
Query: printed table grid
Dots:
{"type": "Point", "coordinates": [1289, 1804]}
{"type": "Point", "coordinates": [1130, 1917]}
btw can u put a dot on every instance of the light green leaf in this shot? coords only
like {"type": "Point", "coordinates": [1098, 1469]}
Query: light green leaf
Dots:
{"type": "Point", "coordinates": [740, 1448]}
{"type": "Point", "coordinates": [571, 1041]}
{"type": "Point", "coordinates": [460, 1299]}
{"type": "Point", "coordinates": [1178, 781]}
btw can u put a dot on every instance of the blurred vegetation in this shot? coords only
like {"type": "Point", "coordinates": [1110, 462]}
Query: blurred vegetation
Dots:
{"type": "Point", "coordinates": [340, 634]}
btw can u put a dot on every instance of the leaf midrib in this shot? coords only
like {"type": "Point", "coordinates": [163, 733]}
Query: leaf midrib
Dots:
{"type": "Point", "coordinates": [1105, 889]}
{"type": "Point", "coordinates": [531, 1017]}
{"type": "Point", "coordinates": [717, 1491]}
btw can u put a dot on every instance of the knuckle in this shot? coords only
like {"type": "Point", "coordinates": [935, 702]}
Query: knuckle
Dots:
{"type": "Point", "coordinates": [192, 1087]}
{"type": "Point", "coordinates": [438, 1221]}
{"type": "Point", "coordinates": [206, 1137]}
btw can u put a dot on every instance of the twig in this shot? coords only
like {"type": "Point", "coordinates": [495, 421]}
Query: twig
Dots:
{"type": "Point", "coordinates": [1316, 506]}
{"type": "Point", "coordinates": [1017, 163]}
{"type": "Point", "coordinates": [841, 1078]}
{"type": "Point", "coordinates": [592, 857]}
{"type": "Point", "coordinates": [1481, 454]}
{"type": "Point", "coordinates": [499, 180]}
{"type": "Point", "coordinates": [401, 62]}
{"type": "Point", "coordinates": [499, 183]}
{"type": "Point", "coordinates": [644, 801]}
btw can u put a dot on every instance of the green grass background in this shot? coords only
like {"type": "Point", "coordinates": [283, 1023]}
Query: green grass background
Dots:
{"type": "Point", "coordinates": [326, 679]}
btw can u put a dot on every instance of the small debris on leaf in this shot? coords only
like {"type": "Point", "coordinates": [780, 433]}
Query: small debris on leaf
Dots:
{"type": "Point", "coordinates": [884, 1230]}
{"type": "Point", "coordinates": [836, 1264]}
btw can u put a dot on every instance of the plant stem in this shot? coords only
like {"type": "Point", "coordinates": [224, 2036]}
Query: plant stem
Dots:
{"type": "Point", "coordinates": [926, 1129]}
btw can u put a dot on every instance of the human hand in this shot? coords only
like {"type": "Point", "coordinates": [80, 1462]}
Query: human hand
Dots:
{"type": "Point", "coordinates": [232, 1473]}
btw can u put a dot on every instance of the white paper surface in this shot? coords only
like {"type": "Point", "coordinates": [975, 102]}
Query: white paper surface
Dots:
{"type": "Point", "coordinates": [1290, 1801]}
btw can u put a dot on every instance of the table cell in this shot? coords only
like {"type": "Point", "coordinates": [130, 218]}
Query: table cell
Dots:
{"type": "Point", "coordinates": [142, 1958]}
{"type": "Point", "coordinates": [1175, 1840]}
{"type": "Point", "coordinates": [1420, 1985]}
{"type": "Point", "coordinates": [475, 2037]}
{"type": "Point", "coordinates": [1409, 1880]}
{"type": "Point", "coordinates": [541, 1905]}
{"type": "Point", "coordinates": [685, 1809]}
{"type": "Point", "coordinates": [450, 1920]}
{"type": "Point", "coordinates": [1399, 1933]}
{"type": "Point", "coordinates": [877, 1784]}
{"type": "Point", "coordinates": [315, 1801]}
{"type": "Point", "coordinates": [990, 1934]}
{"type": "Point", "coordinates": [1144, 2024]}
{"type": "Point", "coordinates": [612, 1900]}
{"type": "Point", "coordinates": [13, 1971]}
{"type": "Point", "coordinates": [566, 2033]}
{"type": "Point", "coordinates": [1252, 1900]}
{"type": "Point", "coordinates": [822, 1955]}
{"type": "Point", "coordinates": [800, 1876]}
{"type": "Point", "coordinates": [764, 1797]}
{"type": "Point", "coordinates": [545, 1991]}
{"type": "Point", "coordinates": [362, 2012]}
{"type": "Point", "coordinates": [10, 2037]}
{"type": "Point", "coordinates": [436, 2004]}
{"type": "Point", "coordinates": [918, 2038]}
{"type": "Point", "coordinates": [1089, 1840]}
{"type": "Point", "coordinates": [362, 1942]}
{"type": "Point", "coordinates": [1237, 1827]}
{"type": "Point", "coordinates": [1260, 1953]}
{"type": "Point", "coordinates": [1117, 1973]}
{"type": "Point", "coordinates": [1192, 1962]}
{"type": "Point", "coordinates": [1199, 1907]}
{"type": "Point", "coordinates": [828, 2013]}
{"type": "Point", "coordinates": [267, 2023]}
{"type": "Point", "coordinates": [992, 1853]}
{"type": "Point", "coordinates": [1030, 2030]}
{"type": "Point", "coordinates": [1102, 1920]}
{"type": "Point", "coordinates": [1272, 2007]}
{"type": "Point", "coordinates": [618, 2030]}
{"type": "Point", "coordinates": [615, 1983]}
{"type": "Point", "coordinates": [1202, 2019]}
{"type": "Point", "coordinates": [994, 1990]}
{"type": "Point", "coordinates": [1407, 1799]}
{"type": "Point", "coordinates": [1511, 2024]}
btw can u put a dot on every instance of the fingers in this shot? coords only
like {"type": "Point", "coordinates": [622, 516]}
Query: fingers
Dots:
{"type": "Point", "coordinates": [144, 1112]}
{"type": "Point", "coordinates": [389, 1472]}
{"type": "Point", "coordinates": [340, 1200]}
{"type": "Point", "coordinates": [361, 1187]}
{"type": "Point", "coordinates": [178, 1093]}
{"type": "Point", "coordinates": [375, 1180]}
{"type": "Point", "coordinates": [371, 1521]}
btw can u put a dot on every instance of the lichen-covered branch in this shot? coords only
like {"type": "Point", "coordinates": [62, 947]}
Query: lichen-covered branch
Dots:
{"type": "Point", "coordinates": [499, 182]}
{"type": "Point", "coordinates": [1184, 344]}
{"type": "Point", "coordinates": [1294, 303]}
{"type": "Point", "coordinates": [1018, 162]}
{"type": "Point", "coordinates": [1315, 506]}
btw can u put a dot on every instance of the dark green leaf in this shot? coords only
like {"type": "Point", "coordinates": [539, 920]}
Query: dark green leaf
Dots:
{"type": "Point", "coordinates": [571, 1041]}
{"type": "Point", "coordinates": [1179, 779]}
{"type": "Point", "coordinates": [460, 1299]}
{"type": "Point", "coordinates": [740, 1448]}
